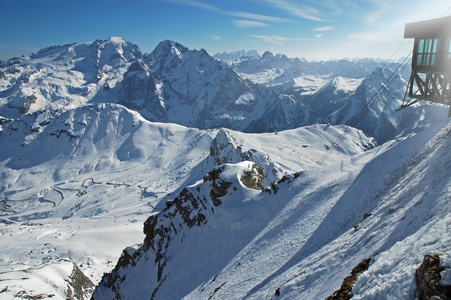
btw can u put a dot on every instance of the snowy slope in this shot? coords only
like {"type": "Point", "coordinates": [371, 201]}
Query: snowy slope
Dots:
{"type": "Point", "coordinates": [81, 171]}
{"type": "Point", "coordinates": [68, 76]}
{"type": "Point", "coordinates": [174, 84]}
{"type": "Point", "coordinates": [302, 237]}
{"type": "Point", "coordinates": [313, 244]}
{"type": "Point", "coordinates": [77, 186]}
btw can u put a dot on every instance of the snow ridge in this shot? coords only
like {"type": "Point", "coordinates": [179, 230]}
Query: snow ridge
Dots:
{"type": "Point", "coordinates": [189, 87]}
{"type": "Point", "coordinates": [219, 160]}
{"type": "Point", "coordinates": [295, 239]}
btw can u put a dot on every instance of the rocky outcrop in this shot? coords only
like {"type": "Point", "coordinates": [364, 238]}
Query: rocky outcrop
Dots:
{"type": "Point", "coordinates": [79, 286]}
{"type": "Point", "coordinates": [254, 178]}
{"type": "Point", "coordinates": [226, 149]}
{"type": "Point", "coordinates": [427, 278]}
{"type": "Point", "coordinates": [194, 207]}
{"type": "Point", "coordinates": [219, 186]}
{"type": "Point", "coordinates": [345, 291]}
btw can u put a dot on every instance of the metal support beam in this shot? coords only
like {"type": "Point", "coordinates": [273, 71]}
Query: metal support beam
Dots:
{"type": "Point", "coordinates": [430, 86]}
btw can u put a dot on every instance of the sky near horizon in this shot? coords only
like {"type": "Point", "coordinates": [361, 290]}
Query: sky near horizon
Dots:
{"type": "Point", "coordinates": [311, 29]}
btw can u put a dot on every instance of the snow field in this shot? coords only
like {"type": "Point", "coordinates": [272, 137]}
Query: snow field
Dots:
{"type": "Point", "coordinates": [320, 236]}
{"type": "Point", "coordinates": [84, 181]}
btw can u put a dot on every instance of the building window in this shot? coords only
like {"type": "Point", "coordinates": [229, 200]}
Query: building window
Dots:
{"type": "Point", "coordinates": [448, 53]}
{"type": "Point", "coordinates": [426, 52]}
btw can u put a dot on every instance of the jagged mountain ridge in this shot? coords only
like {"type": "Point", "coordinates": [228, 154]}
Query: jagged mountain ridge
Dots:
{"type": "Point", "coordinates": [174, 84]}
{"type": "Point", "coordinates": [67, 76]}
{"type": "Point", "coordinates": [190, 87]}
{"type": "Point", "coordinates": [77, 185]}
{"type": "Point", "coordinates": [80, 177]}
{"type": "Point", "coordinates": [300, 241]}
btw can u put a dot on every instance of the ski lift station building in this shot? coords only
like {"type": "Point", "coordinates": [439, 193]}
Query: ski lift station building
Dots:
{"type": "Point", "coordinates": [431, 60]}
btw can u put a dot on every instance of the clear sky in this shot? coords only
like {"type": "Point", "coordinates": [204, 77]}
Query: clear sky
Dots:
{"type": "Point", "coordinates": [312, 29]}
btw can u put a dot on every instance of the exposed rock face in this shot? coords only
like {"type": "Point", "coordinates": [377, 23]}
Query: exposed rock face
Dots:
{"type": "Point", "coordinates": [226, 149]}
{"type": "Point", "coordinates": [219, 186]}
{"type": "Point", "coordinates": [193, 207]}
{"type": "Point", "coordinates": [253, 178]}
{"type": "Point", "coordinates": [79, 285]}
{"type": "Point", "coordinates": [428, 277]}
{"type": "Point", "coordinates": [345, 291]}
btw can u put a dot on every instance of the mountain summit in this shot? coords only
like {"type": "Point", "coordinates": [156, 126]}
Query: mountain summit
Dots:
{"type": "Point", "coordinates": [189, 87]}
{"type": "Point", "coordinates": [255, 177]}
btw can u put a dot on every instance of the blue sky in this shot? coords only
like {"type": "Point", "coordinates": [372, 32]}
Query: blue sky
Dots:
{"type": "Point", "coordinates": [312, 29]}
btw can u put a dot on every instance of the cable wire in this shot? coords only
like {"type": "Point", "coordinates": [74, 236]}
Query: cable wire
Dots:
{"type": "Point", "coordinates": [369, 104]}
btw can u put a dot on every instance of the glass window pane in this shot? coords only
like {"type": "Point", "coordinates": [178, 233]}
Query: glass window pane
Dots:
{"type": "Point", "coordinates": [428, 47]}
{"type": "Point", "coordinates": [420, 46]}
{"type": "Point", "coordinates": [419, 59]}
{"type": "Point", "coordinates": [432, 59]}
{"type": "Point", "coordinates": [434, 46]}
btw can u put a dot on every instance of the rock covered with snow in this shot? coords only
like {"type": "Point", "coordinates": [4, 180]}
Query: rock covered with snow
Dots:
{"type": "Point", "coordinates": [189, 218]}
{"type": "Point", "coordinates": [189, 87]}
{"type": "Point", "coordinates": [226, 149]}
{"type": "Point", "coordinates": [68, 76]}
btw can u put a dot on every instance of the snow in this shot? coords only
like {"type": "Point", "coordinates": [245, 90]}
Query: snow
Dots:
{"type": "Point", "coordinates": [311, 245]}
{"type": "Point", "coordinates": [81, 184]}
{"type": "Point", "coordinates": [347, 84]}
{"type": "Point", "coordinates": [45, 282]}
{"type": "Point", "coordinates": [306, 238]}
{"type": "Point", "coordinates": [310, 84]}
{"type": "Point", "coordinates": [79, 175]}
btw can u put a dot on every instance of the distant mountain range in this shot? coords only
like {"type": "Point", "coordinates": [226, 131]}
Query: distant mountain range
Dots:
{"type": "Point", "coordinates": [191, 88]}
{"type": "Point", "coordinates": [176, 174]}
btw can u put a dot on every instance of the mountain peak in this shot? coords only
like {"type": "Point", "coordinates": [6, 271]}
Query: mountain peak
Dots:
{"type": "Point", "coordinates": [236, 54]}
{"type": "Point", "coordinates": [267, 56]}
{"type": "Point", "coordinates": [115, 47]}
{"type": "Point", "coordinates": [167, 47]}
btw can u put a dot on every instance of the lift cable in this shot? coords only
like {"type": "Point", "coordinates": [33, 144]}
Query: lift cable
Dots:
{"type": "Point", "coordinates": [407, 60]}
{"type": "Point", "coordinates": [375, 98]}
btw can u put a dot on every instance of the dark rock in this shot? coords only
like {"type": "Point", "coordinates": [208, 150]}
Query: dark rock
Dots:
{"type": "Point", "coordinates": [79, 285]}
{"type": "Point", "coordinates": [428, 277]}
{"type": "Point", "coordinates": [254, 178]}
{"type": "Point", "coordinates": [345, 291]}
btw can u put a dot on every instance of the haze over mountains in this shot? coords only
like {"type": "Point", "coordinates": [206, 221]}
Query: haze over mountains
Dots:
{"type": "Point", "coordinates": [248, 173]}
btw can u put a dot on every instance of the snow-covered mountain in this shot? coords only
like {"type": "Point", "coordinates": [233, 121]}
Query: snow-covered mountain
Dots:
{"type": "Point", "coordinates": [245, 173]}
{"type": "Point", "coordinates": [236, 54]}
{"type": "Point", "coordinates": [61, 77]}
{"type": "Point", "coordinates": [226, 238]}
{"type": "Point", "coordinates": [189, 87]}
{"type": "Point", "coordinates": [76, 186]}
